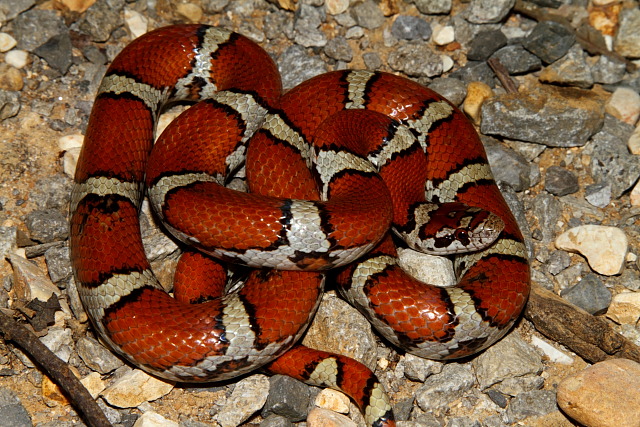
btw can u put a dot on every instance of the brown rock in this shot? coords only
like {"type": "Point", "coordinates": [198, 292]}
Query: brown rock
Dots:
{"type": "Point", "coordinates": [606, 394]}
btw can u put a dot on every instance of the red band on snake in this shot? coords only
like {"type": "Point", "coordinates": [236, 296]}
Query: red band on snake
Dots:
{"type": "Point", "coordinates": [332, 166]}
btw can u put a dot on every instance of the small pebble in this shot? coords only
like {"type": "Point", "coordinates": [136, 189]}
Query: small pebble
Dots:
{"type": "Point", "coordinates": [590, 294]}
{"type": "Point", "coordinates": [625, 308]}
{"type": "Point", "coordinates": [17, 58]}
{"type": "Point", "coordinates": [624, 104]}
{"type": "Point", "coordinates": [7, 42]}
{"type": "Point", "coordinates": [477, 93]}
{"type": "Point", "coordinates": [560, 181]}
{"type": "Point", "coordinates": [443, 35]}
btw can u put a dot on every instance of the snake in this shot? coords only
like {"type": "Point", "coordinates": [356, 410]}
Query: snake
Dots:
{"type": "Point", "coordinates": [321, 183]}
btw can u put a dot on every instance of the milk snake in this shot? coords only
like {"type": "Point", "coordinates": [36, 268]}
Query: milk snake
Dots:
{"type": "Point", "coordinates": [330, 166]}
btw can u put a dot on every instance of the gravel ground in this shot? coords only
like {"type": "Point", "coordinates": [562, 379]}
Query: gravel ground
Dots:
{"type": "Point", "coordinates": [563, 141]}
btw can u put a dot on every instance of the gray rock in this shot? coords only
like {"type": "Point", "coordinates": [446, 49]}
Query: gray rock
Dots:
{"type": "Point", "coordinates": [9, 9]}
{"type": "Point", "coordinates": [608, 70]}
{"type": "Point", "coordinates": [415, 59]}
{"type": "Point", "coordinates": [531, 404]}
{"type": "Point", "coordinates": [276, 25]}
{"type": "Point", "coordinates": [57, 52]}
{"type": "Point", "coordinates": [485, 44]}
{"type": "Point", "coordinates": [47, 225]}
{"type": "Point", "coordinates": [546, 209]}
{"type": "Point", "coordinates": [507, 165]}
{"type": "Point", "coordinates": [96, 356]}
{"type": "Point", "coordinates": [627, 42]}
{"type": "Point", "coordinates": [558, 261]}
{"type": "Point", "coordinates": [8, 240]}
{"type": "Point", "coordinates": [590, 294]}
{"type": "Point", "coordinates": [297, 66]}
{"type": "Point", "coordinates": [58, 263]}
{"type": "Point", "coordinates": [440, 390]}
{"type": "Point", "coordinates": [34, 27]}
{"type": "Point", "coordinates": [452, 89]}
{"type": "Point", "coordinates": [549, 41]}
{"type": "Point", "coordinates": [372, 60]}
{"type": "Point", "coordinates": [570, 70]}
{"type": "Point", "coordinates": [517, 60]}
{"type": "Point", "coordinates": [560, 181]}
{"type": "Point", "coordinates": [599, 195]}
{"type": "Point", "coordinates": [489, 11]}
{"type": "Point", "coordinates": [12, 412]}
{"type": "Point", "coordinates": [462, 422]}
{"type": "Point", "coordinates": [432, 7]}
{"type": "Point", "coordinates": [101, 19]}
{"type": "Point", "coordinates": [274, 420]}
{"type": "Point", "coordinates": [339, 49]}
{"type": "Point", "coordinates": [60, 342]}
{"type": "Point", "coordinates": [214, 6]}
{"type": "Point", "coordinates": [510, 357]}
{"type": "Point", "coordinates": [611, 162]}
{"type": "Point", "coordinates": [497, 398]}
{"type": "Point", "coordinates": [556, 117]}
{"type": "Point", "coordinates": [368, 15]}
{"type": "Point", "coordinates": [288, 398]}
{"type": "Point", "coordinates": [9, 104]}
{"type": "Point", "coordinates": [407, 27]}
{"type": "Point", "coordinates": [307, 32]}
{"type": "Point", "coordinates": [475, 71]}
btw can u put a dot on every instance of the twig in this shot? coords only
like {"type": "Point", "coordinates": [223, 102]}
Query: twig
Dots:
{"type": "Point", "coordinates": [56, 368]}
{"type": "Point", "coordinates": [590, 337]}
{"type": "Point", "coordinates": [503, 75]}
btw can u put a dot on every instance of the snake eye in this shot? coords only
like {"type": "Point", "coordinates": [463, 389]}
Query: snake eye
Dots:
{"type": "Point", "coordinates": [461, 235]}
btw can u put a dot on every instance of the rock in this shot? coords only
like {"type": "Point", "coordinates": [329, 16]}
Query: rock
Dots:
{"type": "Point", "coordinates": [319, 417]}
{"type": "Point", "coordinates": [432, 7]}
{"type": "Point", "coordinates": [627, 42]}
{"type": "Point", "coordinates": [634, 196]}
{"type": "Point", "coordinates": [598, 195]}
{"type": "Point", "coordinates": [10, 79]}
{"type": "Point", "coordinates": [12, 412]}
{"type": "Point", "coordinates": [549, 41]}
{"type": "Point", "coordinates": [570, 70]}
{"type": "Point", "coordinates": [625, 308]}
{"type": "Point", "coordinates": [477, 93]}
{"type": "Point", "coordinates": [590, 294]}
{"type": "Point", "coordinates": [340, 328]}
{"type": "Point", "coordinates": [605, 248]}
{"type": "Point", "coordinates": [77, 5]}
{"type": "Point", "coordinates": [34, 27]}
{"type": "Point", "coordinates": [452, 89]}
{"type": "Point", "coordinates": [332, 400]}
{"type": "Point", "coordinates": [136, 23]}
{"type": "Point", "coordinates": [560, 181]}
{"type": "Point", "coordinates": [339, 49]}
{"type": "Point", "coordinates": [368, 15]}
{"type": "Point", "coordinates": [604, 395]}
{"type": "Point", "coordinates": [94, 384]}
{"type": "Point", "coordinates": [336, 7]}
{"type": "Point", "coordinates": [9, 104]}
{"type": "Point", "coordinates": [575, 113]}
{"type": "Point", "coordinates": [191, 11]}
{"type": "Point", "coordinates": [489, 11]}
{"type": "Point", "coordinates": [558, 261]}
{"type": "Point", "coordinates": [276, 421]}
{"type": "Point", "coordinates": [475, 71]}
{"type": "Point", "coordinates": [96, 356]}
{"type": "Point", "coordinates": [443, 35]}
{"type": "Point", "coordinates": [372, 60]}
{"type": "Point", "coordinates": [416, 59]}
{"type": "Point", "coordinates": [533, 403]}
{"type": "Point", "coordinates": [624, 104]}
{"type": "Point", "coordinates": [608, 70]}
{"type": "Point", "coordinates": [57, 52]}
{"type": "Point", "coordinates": [633, 143]}
{"type": "Point", "coordinates": [419, 369]}
{"type": "Point", "coordinates": [297, 66]}
{"type": "Point", "coordinates": [7, 42]}
{"type": "Point", "coordinates": [485, 44]}
{"type": "Point", "coordinates": [248, 397]}
{"type": "Point", "coordinates": [550, 351]}
{"type": "Point", "coordinates": [611, 161]}
{"type": "Point", "coordinates": [59, 341]}
{"type": "Point", "coordinates": [47, 225]}
{"type": "Point", "coordinates": [100, 20]}
{"type": "Point", "coordinates": [440, 390]}
{"type": "Point", "coordinates": [517, 60]}
{"type": "Point", "coordinates": [29, 282]}
{"type": "Point", "coordinates": [17, 59]}
{"type": "Point", "coordinates": [508, 358]}
{"type": "Point", "coordinates": [408, 27]}
{"type": "Point", "coordinates": [134, 388]}
{"type": "Point", "coordinates": [153, 419]}
{"type": "Point", "coordinates": [288, 398]}
{"type": "Point", "coordinates": [433, 269]}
